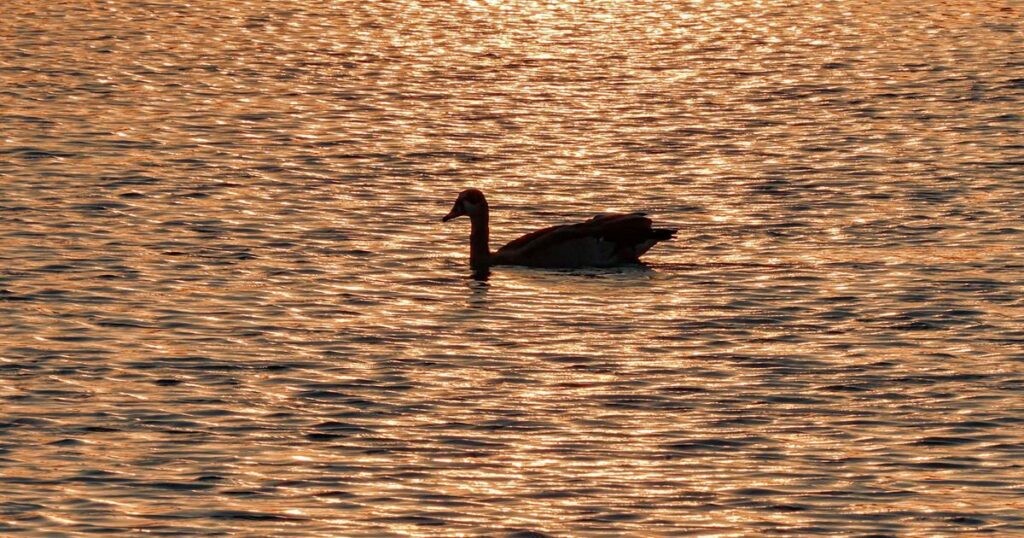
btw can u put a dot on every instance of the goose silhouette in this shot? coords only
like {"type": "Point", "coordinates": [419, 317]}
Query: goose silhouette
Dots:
{"type": "Point", "coordinates": [606, 240]}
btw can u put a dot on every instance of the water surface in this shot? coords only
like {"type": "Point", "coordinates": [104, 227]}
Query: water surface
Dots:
{"type": "Point", "coordinates": [227, 305]}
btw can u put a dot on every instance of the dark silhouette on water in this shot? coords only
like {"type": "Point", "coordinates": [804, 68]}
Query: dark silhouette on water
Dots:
{"type": "Point", "coordinates": [604, 241]}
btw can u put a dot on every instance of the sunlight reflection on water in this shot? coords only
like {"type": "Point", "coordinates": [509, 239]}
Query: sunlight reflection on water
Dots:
{"type": "Point", "coordinates": [228, 307]}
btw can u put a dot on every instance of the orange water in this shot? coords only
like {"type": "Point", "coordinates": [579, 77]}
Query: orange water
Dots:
{"type": "Point", "coordinates": [227, 306]}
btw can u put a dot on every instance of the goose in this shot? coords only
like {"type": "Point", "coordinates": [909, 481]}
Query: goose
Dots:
{"type": "Point", "coordinates": [604, 241]}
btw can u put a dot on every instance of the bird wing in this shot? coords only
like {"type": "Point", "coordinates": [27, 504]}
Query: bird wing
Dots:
{"type": "Point", "coordinates": [619, 228]}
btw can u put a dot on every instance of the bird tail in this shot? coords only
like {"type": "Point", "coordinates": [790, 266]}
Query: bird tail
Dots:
{"type": "Point", "coordinates": [662, 234]}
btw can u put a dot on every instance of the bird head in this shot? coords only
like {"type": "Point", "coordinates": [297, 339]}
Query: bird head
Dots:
{"type": "Point", "coordinates": [471, 202]}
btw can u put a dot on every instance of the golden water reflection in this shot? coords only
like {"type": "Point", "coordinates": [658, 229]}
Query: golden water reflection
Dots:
{"type": "Point", "coordinates": [228, 308]}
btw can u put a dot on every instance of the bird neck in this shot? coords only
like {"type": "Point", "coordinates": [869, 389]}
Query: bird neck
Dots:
{"type": "Point", "coordinates": [479, 237]}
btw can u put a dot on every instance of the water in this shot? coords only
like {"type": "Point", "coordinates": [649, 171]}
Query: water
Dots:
{"type": "Point", "coordinates": [227, 305]}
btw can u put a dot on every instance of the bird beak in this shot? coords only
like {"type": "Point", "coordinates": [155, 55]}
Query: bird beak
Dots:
{"type": "Point", "coordinates": [457, 211]}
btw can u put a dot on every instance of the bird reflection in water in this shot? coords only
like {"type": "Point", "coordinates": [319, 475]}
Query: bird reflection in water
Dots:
{"type": "Point", "coordinates": [478, 287]}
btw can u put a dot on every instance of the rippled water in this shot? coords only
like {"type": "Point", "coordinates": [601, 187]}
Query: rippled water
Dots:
{"type": "Point", "coordinates": [227, 305]}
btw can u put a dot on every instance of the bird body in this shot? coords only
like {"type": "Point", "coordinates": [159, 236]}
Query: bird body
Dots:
{"type": "Point", "coordinates": [603, 241]}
